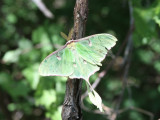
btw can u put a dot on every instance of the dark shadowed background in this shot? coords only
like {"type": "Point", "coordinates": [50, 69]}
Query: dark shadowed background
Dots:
{"type": "Point", "coordinates": [30, 30]}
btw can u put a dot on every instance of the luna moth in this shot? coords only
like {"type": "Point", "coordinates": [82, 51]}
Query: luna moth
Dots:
{"type": "Point", "coordinates": [80, 59]}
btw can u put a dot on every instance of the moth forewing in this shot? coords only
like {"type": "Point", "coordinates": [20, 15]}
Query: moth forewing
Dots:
{"type": "Point", "coordinates": [79, 58]}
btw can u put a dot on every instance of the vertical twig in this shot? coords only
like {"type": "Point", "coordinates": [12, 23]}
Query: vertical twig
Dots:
{"type": "Point", "coordinates": [72, 103]}
{"type": "Point", "coordinates": [127, 60]}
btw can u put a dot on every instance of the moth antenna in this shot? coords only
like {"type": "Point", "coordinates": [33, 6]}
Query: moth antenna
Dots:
{"type": "Point", "coordinates": [70, 34]}
{"type": "Point", "coordinates": [64, 36]}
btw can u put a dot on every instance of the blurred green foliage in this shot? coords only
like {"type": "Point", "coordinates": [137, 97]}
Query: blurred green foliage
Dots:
{"type": "Point", "coordinates": [27, 37]}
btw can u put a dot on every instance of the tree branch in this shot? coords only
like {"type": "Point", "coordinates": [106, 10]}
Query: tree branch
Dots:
{"type": "Point", "coordinates": [138, 110]}
{"type": "Point", "coordinates": [72, 104]}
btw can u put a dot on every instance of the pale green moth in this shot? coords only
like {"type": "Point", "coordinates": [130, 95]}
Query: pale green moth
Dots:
{"type": "Point", "coordinates": [80, 59]}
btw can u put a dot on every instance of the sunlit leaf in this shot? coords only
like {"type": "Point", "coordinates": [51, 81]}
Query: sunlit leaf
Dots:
{"type": "Point", "coordinates": [25, 45]}
{"type": "Point", "coordinates": [157, 20]}
{"type": "Point", "coordinates": [32, 75]}
{"type": "Point", "coordinates": [12, 56]}
{"type": "Point", "coordinates": [56, 114]}
{"type": "Point", "coordinates": [47, 98]}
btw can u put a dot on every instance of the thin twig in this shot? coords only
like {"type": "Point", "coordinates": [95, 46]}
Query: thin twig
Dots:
{"type": "Point", "coordinates": [71, 109]}
{"type": "Point", "coordinates": [138, 110]}
{"type": "Point", "coordinates": [127, 60]}
{"type": "Point", "coordinates": [107, 110]}
{"type": "Point", "coordinates": [43, 8]}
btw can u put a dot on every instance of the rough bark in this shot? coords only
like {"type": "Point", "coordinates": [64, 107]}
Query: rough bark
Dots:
{"type": "Point", "coordinates": [72, 103]}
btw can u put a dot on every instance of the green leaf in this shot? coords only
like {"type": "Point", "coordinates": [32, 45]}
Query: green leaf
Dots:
{"type": "Point", "coordinates": [56, 115]}
{"type": "Point", "coordinates": [146, 56]}
{"type": "Point", "coordinates": [25, 44]}
{"type": "Point", "coordinates": [47, 98]}
{"type": "Point", "coordinates": [157, 20]}
{"type": "Point", "coordinates": [41, 37]}
{"type": "Point", "coordinates": [143, 25]}
{"type": "Point", "coordinates": [11, 107]}
{"type": "Point", "coordinates": [11, 56]}
{"type": "Point", "coordinates": [155, 45]}
{"type": "Point", "coordinates": [11, 18]}
{"type": "Point", "coordinates": [32, 75]}
{"type": "Point", "coordinates": [14, 88]}
{"type": "Point", "coordinates": [129, 103]}
{"type": "Point", "coordinates": [157, 66]}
